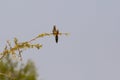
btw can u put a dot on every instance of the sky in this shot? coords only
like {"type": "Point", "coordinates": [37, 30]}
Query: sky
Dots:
{"type": "Point", "coordinates": [90, 52]}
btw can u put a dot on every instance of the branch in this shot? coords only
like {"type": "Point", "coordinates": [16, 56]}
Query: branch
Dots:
{"type": "Point", "coordinates": [20, 46]}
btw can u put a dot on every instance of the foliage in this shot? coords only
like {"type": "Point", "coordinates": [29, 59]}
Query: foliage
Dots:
{"type": "Point", "coordinates": [11, 70]}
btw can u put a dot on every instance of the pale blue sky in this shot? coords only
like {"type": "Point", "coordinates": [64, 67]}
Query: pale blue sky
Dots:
{"type": "Point", "coordinates": [91, 52]}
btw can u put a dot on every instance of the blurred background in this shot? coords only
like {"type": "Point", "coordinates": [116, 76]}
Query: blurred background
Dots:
{"type": "Point", "coordinates": [91, 52]}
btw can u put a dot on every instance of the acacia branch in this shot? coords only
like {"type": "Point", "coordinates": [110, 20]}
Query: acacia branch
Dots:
{"type": "Point", "coordinates": [20, 46]}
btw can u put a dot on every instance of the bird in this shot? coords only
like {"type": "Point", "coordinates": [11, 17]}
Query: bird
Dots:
{"type": "Point", "coordinates": [56, 36]}
{"type": "Point", "coordinates": [55, 33]}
